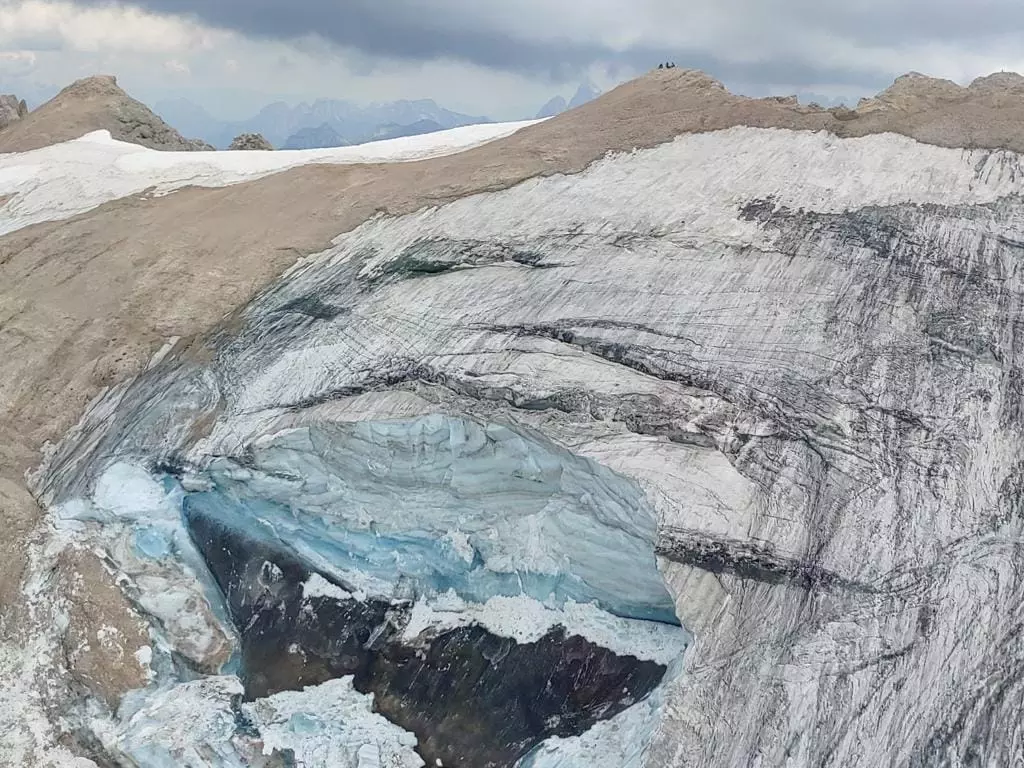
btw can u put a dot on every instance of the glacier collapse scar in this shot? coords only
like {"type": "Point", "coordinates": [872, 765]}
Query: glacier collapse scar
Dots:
{"type": "Point", "coordinates": [471, 697]}
{"type": "Point", "coordinates": [490, 590]}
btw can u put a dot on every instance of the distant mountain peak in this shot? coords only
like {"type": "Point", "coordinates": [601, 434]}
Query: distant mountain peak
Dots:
{"type": "Point", "coordinates": [317, 137]}
{"type": "Point", "coordinates": [395, 130]}
{"type": "Point", "coordinates": [553, 107]}
{"type": "Point", "coordinates": [586, 92]}
{"type": "Point", "coordinates": [303, 125]}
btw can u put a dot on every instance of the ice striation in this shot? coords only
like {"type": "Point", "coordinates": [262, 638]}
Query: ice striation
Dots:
{"type": "Point", "coordinates": [760, 382]}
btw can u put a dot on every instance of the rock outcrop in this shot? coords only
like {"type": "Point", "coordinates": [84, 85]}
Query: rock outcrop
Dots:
{"type": "Point", "coordinates": [198, 145]}
{"type": "Point", "coordinates": [92, 104]}
{"type": "Point", "coordinates": [11, 108]}
{"type": "Point", "coordinates": [796, 354]}
{"type": "Point", "coordinates": [250, 141]}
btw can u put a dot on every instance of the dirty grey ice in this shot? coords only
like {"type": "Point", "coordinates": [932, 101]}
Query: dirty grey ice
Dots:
{"type": "Point", "coordinates": [755, 394]}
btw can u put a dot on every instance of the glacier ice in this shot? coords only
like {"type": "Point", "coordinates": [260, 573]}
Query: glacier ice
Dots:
{"type": "Point", "coordinates": [476, 524]}
{"type": "Point", "coordinates": [152, 731]}
{"type": "Point", "coordinates": [137, 518]}
{"type": "Point", "coordinates": [206, 724]}
{"type": "Point", "coordinates": [620, 742]}
{"type": "Point", "coordinates": [332, 725]}
{"type": "Point", "coordinates": [471, 524]}
{"type": "Point", "coordinates": [389, 499]}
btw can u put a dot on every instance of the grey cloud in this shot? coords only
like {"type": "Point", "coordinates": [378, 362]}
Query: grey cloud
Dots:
{"type": "Point", "coordinates": [889, 22]}
{"type": "Point", "coordinates": [418, 30]}
{"type": "Point", "coordinates": [399, 29]}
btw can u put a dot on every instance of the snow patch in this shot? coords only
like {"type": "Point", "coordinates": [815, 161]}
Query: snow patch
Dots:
{"type": "Point", "coordinates": [525, 620]}
{"type": "Point", "coordinates": [161, 353]}
{"type": "Point", "coordinates": [144, 656]}
{"type": "Point", "coordinates": [126, 490]}
{"type": "Point", "coordinates": [332, 726]}
{"type": "Point", "coordinates": [317, 586]}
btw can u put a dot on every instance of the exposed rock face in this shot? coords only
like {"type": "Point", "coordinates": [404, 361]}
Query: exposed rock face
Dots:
{"type": "Point", "coordinates": [95, 103]}
{"type": "Point", "coordinates": [251, 141]}
{"type": "Point", "coordinates": [11, 108]}
{"type": "Point", "coordinates": [105, 635]}
{"type": "Point", "coordinates": [799, 352]}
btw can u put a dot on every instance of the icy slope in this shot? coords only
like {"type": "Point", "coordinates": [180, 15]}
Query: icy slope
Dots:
{"type": "Point", "coordinates": [787, 363]}
{"type": "Point", "coordinates": [65, 179]}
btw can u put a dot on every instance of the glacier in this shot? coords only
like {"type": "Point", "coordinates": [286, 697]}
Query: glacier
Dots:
{"type": "Point", "coordinates": [742, 409]}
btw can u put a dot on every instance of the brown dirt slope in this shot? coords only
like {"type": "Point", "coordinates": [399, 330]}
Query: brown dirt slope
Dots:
{"type": "Point", "coordinates": [92, 104]}
{"type": "Point", "coordinates": [85, 302]}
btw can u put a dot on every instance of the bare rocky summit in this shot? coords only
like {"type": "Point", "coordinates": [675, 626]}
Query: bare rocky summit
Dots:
{"type": "Point", "coordinates": [250, 141]}
{"type": "Point", "coordinates": [664, 103]}
{"type": "Point", "coordinates": [92, 104]}
{"type": "Point", "coordinates": [987, 114]}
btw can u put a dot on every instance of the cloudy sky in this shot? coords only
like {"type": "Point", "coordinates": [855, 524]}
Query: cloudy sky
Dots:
{"type": "Point", "coordinates": [502, 58]}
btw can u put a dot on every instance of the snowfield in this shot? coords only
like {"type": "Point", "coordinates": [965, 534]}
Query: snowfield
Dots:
{"type": "Point", "coordinates": [66, 179]}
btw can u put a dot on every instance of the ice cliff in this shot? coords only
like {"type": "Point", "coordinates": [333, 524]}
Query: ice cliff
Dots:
{"type": "Point", "coordinates": [447, 490]}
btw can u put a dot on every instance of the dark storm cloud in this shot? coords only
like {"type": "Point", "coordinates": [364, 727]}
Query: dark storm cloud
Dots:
{"type": "Point", "coordinates": [398, 29]}
{"type": "Point", "coordinates": [425, 30]}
